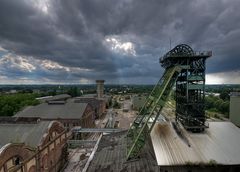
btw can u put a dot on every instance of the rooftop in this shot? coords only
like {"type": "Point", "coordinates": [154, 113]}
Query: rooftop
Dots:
{"type": "Point", "coordinates": [54, 98]}
{"type": "Point", "coordinates": [68, 110]}
{"type": "Point", "coordinates": [30, 134]}
{"type": "Point", "coordinates": [111, 156]}
{"type": "Point", "coordinates": [220, 142]}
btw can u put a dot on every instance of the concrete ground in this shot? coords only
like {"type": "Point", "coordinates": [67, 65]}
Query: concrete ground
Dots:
{"type": "Point", "coordinates": [77, 159]}
{"type": "Point", "coordinates": [125, 115]}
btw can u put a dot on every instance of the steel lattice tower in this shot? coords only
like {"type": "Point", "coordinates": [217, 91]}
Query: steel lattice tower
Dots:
{"type": "Point", "coordinates": [190, 85]}
{"type": "Point", "coordinates": [186, 68]}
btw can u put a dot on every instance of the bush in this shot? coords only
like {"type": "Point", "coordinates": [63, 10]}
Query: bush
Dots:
{"type": "Point", "coordinates": [216, 104]}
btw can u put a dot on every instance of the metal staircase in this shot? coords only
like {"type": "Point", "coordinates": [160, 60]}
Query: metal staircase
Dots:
{"type": "Point", "coordinates": [150, 112]}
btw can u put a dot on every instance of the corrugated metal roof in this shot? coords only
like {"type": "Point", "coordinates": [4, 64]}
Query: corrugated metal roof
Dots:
{"type": "Point", "coordinates": [111, 156]}
{"type": "Point", "coordinates": [30, 134]}
{"type": "Point", "coordinates": [220, 142]}
{"type": "Point", "coordinates": [69, 110]}
{"type": "Point", "coordinates": [54, 98]}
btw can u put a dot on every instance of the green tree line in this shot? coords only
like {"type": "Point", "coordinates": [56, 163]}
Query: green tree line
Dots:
{"type": "Point", "coordinates": [218, 104]}
{"type": "Point", "coordinates": [11, 104]}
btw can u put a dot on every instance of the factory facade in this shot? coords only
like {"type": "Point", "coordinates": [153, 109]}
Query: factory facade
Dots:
{"type": "Point", "coordinates": [40, 146]}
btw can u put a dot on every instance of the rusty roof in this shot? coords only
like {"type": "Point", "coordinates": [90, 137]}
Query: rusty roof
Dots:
{"type": "Point", "coordinates": [219, 144]}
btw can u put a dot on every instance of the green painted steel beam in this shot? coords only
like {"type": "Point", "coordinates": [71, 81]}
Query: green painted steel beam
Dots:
{"type": "Point", "coordinates": [196, 87]}
{"type": "Point", "coordinates": [196, 78]}
{"type": "Point", "coordinates": [142, 126]}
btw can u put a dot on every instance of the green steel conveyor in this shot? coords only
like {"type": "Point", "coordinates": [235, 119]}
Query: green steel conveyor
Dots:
{"type": "Point", "coordinates": [142, 126]}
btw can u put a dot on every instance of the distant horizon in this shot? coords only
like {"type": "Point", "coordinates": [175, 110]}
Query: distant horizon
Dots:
{"type": "Point", "coordinates": [92, 84]}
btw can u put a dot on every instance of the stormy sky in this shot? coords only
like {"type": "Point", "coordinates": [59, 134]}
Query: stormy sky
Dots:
{"type": "Point", "coordinates": [79, 41]}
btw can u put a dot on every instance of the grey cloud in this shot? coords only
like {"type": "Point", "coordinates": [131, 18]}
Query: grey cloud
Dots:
{"type": "Point", "coordinates": [73, 32]}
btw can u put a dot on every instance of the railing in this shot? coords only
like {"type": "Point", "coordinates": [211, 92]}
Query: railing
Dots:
{"type": "Point", "coordinates": [196, 53]}
{"type": "Point", "coordinates": [96, 130]}
{"type": "Point", "coordinates": [203, 53]}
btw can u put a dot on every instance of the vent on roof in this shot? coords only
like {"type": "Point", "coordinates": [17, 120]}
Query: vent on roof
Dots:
{"type": "Point", "coordinates": [56, 102]}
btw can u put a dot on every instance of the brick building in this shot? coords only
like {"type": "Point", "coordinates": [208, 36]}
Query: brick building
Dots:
{"type": "Point", "coordinates": [39, 146]}
{"type": "Point", "coordinates": [67, 112]}
{"type": "Point", "coordinates": [99, 106]}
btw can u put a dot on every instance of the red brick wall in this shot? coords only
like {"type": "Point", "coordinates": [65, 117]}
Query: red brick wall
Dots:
{"type": "Point", "coordinates": [15, 150]}
{"type": "Point", "coordinates": [87, 120]}
{"type": "Point", "coordinates": [50, 155]}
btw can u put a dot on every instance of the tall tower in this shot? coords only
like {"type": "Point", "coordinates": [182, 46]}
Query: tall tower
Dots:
{"type": "Point", "coordinates": [100, 88]}
{"type": "Point", "coordinates": [190, 85]}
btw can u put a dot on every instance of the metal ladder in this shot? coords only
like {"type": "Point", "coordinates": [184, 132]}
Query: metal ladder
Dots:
{"type": "Point", "coordinates": [141, 127]}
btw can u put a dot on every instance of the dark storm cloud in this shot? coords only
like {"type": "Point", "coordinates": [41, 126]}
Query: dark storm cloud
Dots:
{"type": "Point", "coordinates": [73, 34]}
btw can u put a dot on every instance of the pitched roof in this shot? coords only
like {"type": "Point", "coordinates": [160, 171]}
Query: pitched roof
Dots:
{"type": "Point", "coordinates": [30, 134]}
{"type": "Point", "coordinates": [68, 110]}
{"type": "Point", "coordinates": [54, 98]}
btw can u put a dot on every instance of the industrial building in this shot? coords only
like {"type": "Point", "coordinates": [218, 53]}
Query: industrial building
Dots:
{"type": "Point", "coordinates": [234, 110]}
{"type": "Point", "coordinates": [98, 105]}
{"type": "Point", "coordinates": [98, 101]}
{"type": "Point", "coordinates": [67, 112]}
{"type": "Point", "coordinates": [36, 146]}
{"type": "Point", "coordinates": [189, 143]}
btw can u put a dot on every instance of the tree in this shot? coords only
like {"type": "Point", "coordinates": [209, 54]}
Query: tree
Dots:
{"type": "Point", "coordinates": [216, 104]}
{"type": "Point", "coordinates": [73, 91]}
{"type": "Point", "coordinates": [7, 110]}
{"type": "Point", "coordinates": [224, 95]}
{"type": "Point", "coordinates": [10, 104]}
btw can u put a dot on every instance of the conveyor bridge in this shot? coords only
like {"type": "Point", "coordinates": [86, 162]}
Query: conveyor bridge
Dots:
{"type": "Point", "coordinates": [141, 126]}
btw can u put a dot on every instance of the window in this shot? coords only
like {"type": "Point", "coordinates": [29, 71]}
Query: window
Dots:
{"type": "Point", "coordinates": [17, 160]}
{"type": "Point", "coordinates": [45, 161]}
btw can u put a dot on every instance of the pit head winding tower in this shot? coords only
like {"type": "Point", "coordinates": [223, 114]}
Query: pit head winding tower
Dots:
{"type": "Point", "coordinates": [190, 85]}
